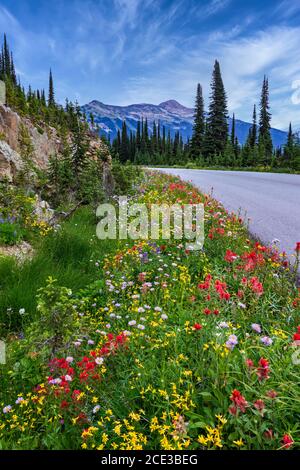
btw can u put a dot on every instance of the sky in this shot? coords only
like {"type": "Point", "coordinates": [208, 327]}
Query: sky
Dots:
{"type": "Point", "coordinates": [148, 51]}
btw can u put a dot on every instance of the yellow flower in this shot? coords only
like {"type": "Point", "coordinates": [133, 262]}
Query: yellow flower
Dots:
{"type": "Point", "coordinates": [202, 440]}
{"type": "Point", "coordinates": [239, 443]}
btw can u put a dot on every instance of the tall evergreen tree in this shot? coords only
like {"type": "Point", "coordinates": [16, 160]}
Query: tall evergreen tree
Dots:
{"type": "Point", "coordinates": [196, 146]}
{"type": "Point", "coordinates": [253, 130]}
{"type": "Point", "coordinates": [51, 96]}
{"type": "Point", "coordinates": [124, 149]}
{"type": "Point", "coordinates": [232, 136]}
{"type": "Point", "coordinates": [289, 147]}
{"type": "Point", "coordinates": [217, 125]}
{"type": "Point", "coordinates": [138, 136]}
{"type": "Point", "coordinates": [154, 146]}
{"type": "Point", "coordinates": [6, 57]}
{"type": "Point", "coordinates": [264, 137]}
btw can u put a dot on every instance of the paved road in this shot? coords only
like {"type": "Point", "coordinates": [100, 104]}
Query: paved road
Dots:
{"type": "Point", "coordinates": [270, 200]}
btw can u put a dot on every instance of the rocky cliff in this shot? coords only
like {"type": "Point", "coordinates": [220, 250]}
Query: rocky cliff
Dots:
{"type": "Point", "coordinates": [44, 142]}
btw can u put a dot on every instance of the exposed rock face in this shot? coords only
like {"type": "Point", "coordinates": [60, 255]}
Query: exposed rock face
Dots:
{"type": "Point", "coordinates": [42, 210]}
{"type": "Point", "coordinates": [45, 142]}
{"type": "Point", "coordinates": [10, 161]}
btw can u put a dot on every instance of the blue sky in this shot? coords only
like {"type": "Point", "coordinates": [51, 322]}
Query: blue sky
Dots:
{"type": "Point", "coordinates": [130, 51]}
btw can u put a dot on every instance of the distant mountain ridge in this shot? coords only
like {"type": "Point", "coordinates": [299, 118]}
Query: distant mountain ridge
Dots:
{"type": "Point", "coordinates": [171, 114]}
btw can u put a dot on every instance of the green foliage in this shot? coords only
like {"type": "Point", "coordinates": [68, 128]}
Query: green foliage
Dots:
{"type": "Point", "coordinates": [68, 255]}
{"type": "Point", "coordinates": [10, 232]}
{"type": "Point", "coordinates": [126, 177]}
{"type": "Point", "coordinates": [56, 317]}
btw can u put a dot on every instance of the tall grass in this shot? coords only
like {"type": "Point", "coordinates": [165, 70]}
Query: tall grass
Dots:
{"type": "Point", "coordinates": [68, 255]}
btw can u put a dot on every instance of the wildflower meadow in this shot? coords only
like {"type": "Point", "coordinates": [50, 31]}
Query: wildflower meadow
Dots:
{"type": "Point", "coordinates": [166, 348]}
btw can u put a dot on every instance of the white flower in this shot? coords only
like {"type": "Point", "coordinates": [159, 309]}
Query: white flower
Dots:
{"type": "Point", "coordinates": [132, 323]}
{"type": "Point", "coordinates": [99, 360]}
{"type": "Point", "coordinates": [90, 341]}
{"type": "Point", "coordinates": [141, 327]}
{"type": "Point", "coordinates": [223, 324]}
{"type": "Point", "coordinates": [158, 309]}
{"type": "Point", "coordinates": [164, 316]}
{"type": "Point", "coordinates": [19, 400]}
{"type": "Point", "coordinates": [68, 378]}
{"type": "Point", "coordinates": [141, 310]}
{"type": "Point", "coordinates": [96, 409]}
{"type": "Point", "coordinates": [69, 359]}
{"type": "Point", "coordinates": [22, 311]}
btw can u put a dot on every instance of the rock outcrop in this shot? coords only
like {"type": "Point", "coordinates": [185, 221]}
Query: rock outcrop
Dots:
{"type": "Point", "coordinates": [44, 140]}
{"type": "Point", "coordinates": [10, 161]}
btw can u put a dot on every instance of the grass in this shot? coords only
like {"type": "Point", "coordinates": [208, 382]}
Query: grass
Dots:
{"type": "Point", "coordinates": [68, 256]}
{"type": "Point", "coordinates": [259, 169]}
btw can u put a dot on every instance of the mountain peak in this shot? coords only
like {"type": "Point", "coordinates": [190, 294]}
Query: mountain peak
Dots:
{"type": "Point", "coordinates": [172, 105]}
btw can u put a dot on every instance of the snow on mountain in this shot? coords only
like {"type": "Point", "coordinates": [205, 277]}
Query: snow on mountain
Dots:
{"type": "Point", "coordinates": [171, 114]}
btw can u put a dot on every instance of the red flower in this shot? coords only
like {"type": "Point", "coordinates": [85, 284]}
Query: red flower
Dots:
{"type": "Point", "coordinates": [230, 256]}
{"type": "Point", "coordinates": [287, 441]}
{"type": "Point", "coordinates": [297, 248]}
{"type": "Point", "coordinates": [239, 402]}
{"type": "Point", "coordinates": [207, 311]}
{"type": "Point", "coordinates": [263, 369]}
{"type": "Point", "coordinates": [297, 335]}
{"type": "Point", "coordinates": [259, 405]}
{"type": "Point", "coordinates": [197, 326]}
{"type": "Point", "coordinates": [271, 394]}
{"type": "Point", "coordinates": [216, 311]}
{"type": "Point", "coordinates": [249, 363]}
{"type": "Point", "coordinates": [256, 286]}
{"type": "Point", "coordinates": [64, 404]}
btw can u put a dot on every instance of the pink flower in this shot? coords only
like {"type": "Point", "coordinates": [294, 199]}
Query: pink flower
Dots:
{"type": "Point", "coordinates": [259, 405]}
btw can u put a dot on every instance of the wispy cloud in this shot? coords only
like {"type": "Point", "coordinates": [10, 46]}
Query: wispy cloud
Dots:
{"type": "Point", "coordinates": [124, 51]}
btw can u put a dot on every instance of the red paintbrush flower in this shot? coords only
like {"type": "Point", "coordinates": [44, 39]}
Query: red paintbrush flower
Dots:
{"type": "Point", "coordinates": [230, 256]}
{"type": "Point", "coordinates": [239, 402]}
{"type": "Point", "coordinates": [287, 441]}
{"type": "Point", "coordinates": [263, 369]}
{"type": "Point", "coordinates": [197, 326]}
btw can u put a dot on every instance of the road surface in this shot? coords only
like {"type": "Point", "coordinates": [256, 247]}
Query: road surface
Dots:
{"type": "Point", "coordinates": [270, 200]}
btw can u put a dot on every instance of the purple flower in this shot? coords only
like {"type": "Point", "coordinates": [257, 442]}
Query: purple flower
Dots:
{"type": "Point", "coordinates": [231, 342]}
{"type": "Point", "coordinates": [266, 341]}
{"type": "Point", "coordinates": [256, 327]}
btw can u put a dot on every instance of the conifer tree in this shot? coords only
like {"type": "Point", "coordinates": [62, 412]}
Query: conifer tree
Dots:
{"type": "Point", "coordinates": [289, 147]}
{"type": "Point", "coordinates": [6, 58]}
{"type": "Point", "coordinates": [124, 149]}
{"type": "Point", "coordinates": [217, 126]}
{"type": "Point", "coordinates": [264, 138]}
{"type": "Point", "coordinates": [232, 137]}
{"type": "Point", "coordinates": [154, 138]}
{"type": "Point", "coordinates": [138, 136]}
{"type": "Point", "coordinates": [196, 147]}
{"type": "Point", "coordinates": [253, 130]}
{"type": "Point", "coordinates": [51, 96]}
